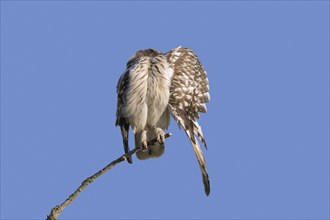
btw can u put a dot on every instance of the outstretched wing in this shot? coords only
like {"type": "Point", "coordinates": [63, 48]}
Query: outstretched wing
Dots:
{"type": "Point", "coordinates": [188, 94]}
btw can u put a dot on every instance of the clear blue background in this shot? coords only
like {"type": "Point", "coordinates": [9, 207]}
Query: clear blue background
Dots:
{"type": "Point", "coordinates": [266, 126]}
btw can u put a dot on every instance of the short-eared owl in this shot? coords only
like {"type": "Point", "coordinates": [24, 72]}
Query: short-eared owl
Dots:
{"type": "Point", "coordinates": [156, 85]}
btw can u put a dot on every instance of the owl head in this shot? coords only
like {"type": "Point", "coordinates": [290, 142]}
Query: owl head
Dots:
{"type": "Point", "coordinates": [141, 53]}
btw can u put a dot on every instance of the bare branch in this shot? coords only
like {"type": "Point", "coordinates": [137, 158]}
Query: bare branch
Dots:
{"type": "Point", "coordinates": [56, 211]}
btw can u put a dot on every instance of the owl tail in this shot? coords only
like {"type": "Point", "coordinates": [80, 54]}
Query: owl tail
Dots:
{"type": "Point", "coordinates": [200, 159]}
{"type": "Point", "coordinates": [124, 127]}
{"type": "Point", "coordinates": [155, 150]}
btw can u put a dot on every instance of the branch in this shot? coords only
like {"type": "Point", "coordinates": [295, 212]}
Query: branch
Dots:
{"type": "Point", "coordinates": [56, 211]}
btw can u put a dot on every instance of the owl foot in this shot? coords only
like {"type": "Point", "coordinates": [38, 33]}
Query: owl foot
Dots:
{"type": "Point", "coordinates": [160, 136]}
{"type": "Point", "coordinates": [144, 146]}
{"type": "Point", "coordinates": [144, 143]}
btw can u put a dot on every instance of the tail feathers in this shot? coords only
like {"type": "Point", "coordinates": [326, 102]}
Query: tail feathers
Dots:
{"type": "Point", "coordinates": [200, 159]}
{"type": "Point", "coordinates": [124, 127]}
{"type": "Point", "coordinates": [199, 133]}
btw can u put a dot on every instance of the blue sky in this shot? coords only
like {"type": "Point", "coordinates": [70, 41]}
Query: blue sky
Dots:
{"type": "Point", "coordinates": [267, 125]}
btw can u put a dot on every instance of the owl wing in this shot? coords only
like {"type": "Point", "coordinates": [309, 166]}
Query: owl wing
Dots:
{"type": "Point", "coordinates": [122, 86]}
{"type": "Point", "coordinates": [189, 92]}
{"type": "Point", "coordinates": [129, 88]}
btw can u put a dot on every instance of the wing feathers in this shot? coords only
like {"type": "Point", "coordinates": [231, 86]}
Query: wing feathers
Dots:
{"type": "Point", "coordinates": [188, 94]}
{"type": "Point", "coordinates": [201, 162]}
{"type": "Point", "coordinates": [190, 86]}
{"type": "Point", "coordinates": [190, 127]}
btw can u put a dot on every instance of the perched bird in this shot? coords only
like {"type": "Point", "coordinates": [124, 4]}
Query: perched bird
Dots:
{"type": "Point", "coordinates": [154, 86]}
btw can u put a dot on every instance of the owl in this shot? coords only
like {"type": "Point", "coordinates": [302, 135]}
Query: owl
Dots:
{"type": "Point", "coordinates": [154, 86]}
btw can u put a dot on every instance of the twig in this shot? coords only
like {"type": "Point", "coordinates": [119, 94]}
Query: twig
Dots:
{"type": "Point", "coordinates": [56, 211]}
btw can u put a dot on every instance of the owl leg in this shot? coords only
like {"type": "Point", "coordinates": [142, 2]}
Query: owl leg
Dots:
{"type": "Point", "coordinates": [144, 144]}
{"type": "Point", "coordinates": [141, 140]}
{"type": "Point", "coordinates": [160, 135]}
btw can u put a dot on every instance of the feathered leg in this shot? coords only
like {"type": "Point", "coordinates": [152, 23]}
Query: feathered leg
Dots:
{"type": "Point", "coordinates": [160, 135]}
{"type": "Point", "coordinates": [141, 140]}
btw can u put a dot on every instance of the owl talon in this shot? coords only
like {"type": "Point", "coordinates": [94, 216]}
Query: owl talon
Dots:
{"type": "Point", "coordinates": [160, 136]}
{"type": "Point", "coordinates": [144, 146]}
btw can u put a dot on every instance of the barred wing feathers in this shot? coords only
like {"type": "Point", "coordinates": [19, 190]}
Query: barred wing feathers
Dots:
{"type": "Point", "coordinates": [188, 94]}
